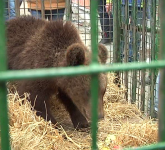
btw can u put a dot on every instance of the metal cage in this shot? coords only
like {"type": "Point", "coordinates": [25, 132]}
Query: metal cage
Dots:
{"type": "Point", "coordinates": [127, 32]}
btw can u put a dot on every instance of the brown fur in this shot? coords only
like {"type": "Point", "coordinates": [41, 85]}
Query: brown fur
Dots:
{"type": "Point", "coordinates": [34, 43]}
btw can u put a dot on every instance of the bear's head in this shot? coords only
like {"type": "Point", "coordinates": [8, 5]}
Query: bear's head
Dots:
{"type": "Point", "coordinates": [77, 88]}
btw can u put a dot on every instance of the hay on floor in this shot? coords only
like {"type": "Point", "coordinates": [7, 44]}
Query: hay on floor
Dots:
{"type": "Point", "coordinates": [122, 126]}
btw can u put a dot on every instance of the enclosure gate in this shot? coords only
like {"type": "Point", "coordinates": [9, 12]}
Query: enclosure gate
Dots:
{"type": "Point", "coordinates": [94, 69]}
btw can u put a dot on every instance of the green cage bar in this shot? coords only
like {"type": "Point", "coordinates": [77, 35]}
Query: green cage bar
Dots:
{"type": "Point", "coordinates": [153, 51]}
{"type": "Point", "coordinates": [116, 30]}
{"type": "Point", "coordinates": [134, 78]}
{"type": "Point", "coordinates": [68, 10]}
{"type": "Point", "coordinates": [125, 22]}
{"type": "Point", "coordinates": [161, 111]}
{"type": "Point", "coordinates": [142, 105]}
{"type": "Point", "coordinates": [70, 71]}
{"type": "Point", "coordinates": [4, 128]}
{"type": "Point", "coordinates": [94, 80]}
{"type": "Point", "coordinates": [116, 35]}
{"type": "Point", "coordinates": [158, 146]}
{"type": "Point", "coordinates": [93, 69]}
{"type": "Point", "coordinates": [17, 5]}
{"type": "Point", "coordinates": [42, 9]}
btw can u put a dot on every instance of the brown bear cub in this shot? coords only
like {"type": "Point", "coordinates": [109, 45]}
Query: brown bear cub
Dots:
{"type": "Point", "coordinates": [35, 43]}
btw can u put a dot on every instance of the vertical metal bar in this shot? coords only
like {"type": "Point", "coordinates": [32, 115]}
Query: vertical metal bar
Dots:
{"type": "Point", "coordinates": [143, 58]}
{"type": "Point", "coordinates": [24, 8]}
{"type": "Point", "coordinates": [68, 10]}
{"type": "Point", "coordinates": [4, 130]}
{"type": "Point", "coordinates": [126, 39]}
{"type": "Point", "coordinates": [161, 108]}
{"type": "Point", "coordinates": [153, 29]}
{"type": "Point", "coordinates": [94, 30]}
{"type": "Point", "coordinates": [85, 32]}
{"type": "Point", "coordinates": [116, 35]}
{"type": "Point", "coordinates": [78, 14]}
{"type": "Point", "coordinates": [134, 78]}
{"type": "Point", "coordinates": [17, 8]}
{"type": "Point", "coordinates": [126, 45]}
{"type": "Point", "coordinates": [94, 81]}
{"type": "Point", "coordinates": [42, 9]}
{"type": "Point", "coordinates": [51, 15]}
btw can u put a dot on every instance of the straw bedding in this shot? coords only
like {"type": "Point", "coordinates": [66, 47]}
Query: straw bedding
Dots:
{"type": "Point", "coordinates": [123, 125]}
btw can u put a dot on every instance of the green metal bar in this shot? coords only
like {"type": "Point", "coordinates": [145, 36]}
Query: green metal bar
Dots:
{"type": "Point", "coordinates": [68, 10]}
{"type": "Point", "coordinates": [4, 128]}
{"type": "Point", "coordinates": [70, 71]}
{"type": "Point", "coordinates": [116, 36]}
{"type": "Point", "coordinates": [142, 107]}
{"type": "Point", "coordinates": [42, 9]}
{"type": "Point", "coordinates": [134, 78]}
{"type": "Point", "coordinates": [161, 108]}
{"type": "Point", "coordinates": [94, 97]}
{"type": "Point", "coordinates": [116, 30]}
{"type": "Point", "coordinates": [94, 80]}
{"type": "Point", "coordinates": [153, 38]}
{"type": "Point", "coordinates": [94, 30]}
{"type": "Point", "coordinates": [17, 8]}
{"type": "Point", "coordinates": [158, 146]}
{"type": "Point", "coordinates": [126, 45]}
{"type": "Point", "coordinates": [126, 39]}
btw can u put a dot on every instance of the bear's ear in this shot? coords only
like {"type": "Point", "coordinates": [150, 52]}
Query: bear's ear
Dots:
{"type": "Point", "coordinates": [103, 53]}
{"type": "Point", "coordinates": [75, 55]}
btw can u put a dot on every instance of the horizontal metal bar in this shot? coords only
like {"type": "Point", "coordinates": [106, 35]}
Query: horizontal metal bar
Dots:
{"type": "Point", "coordinates": [71, 71]}
{"type": "Point", "coordinates": [157, 146]}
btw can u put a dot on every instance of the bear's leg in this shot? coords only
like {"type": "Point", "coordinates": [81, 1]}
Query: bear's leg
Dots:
{"type": "Point", "coordinates": [78, 120]}
{"type": "Point", "coordinates": [43, 110]}
{"type": "Point", "coordinates": [39, 98]}
{"type": "Point", "coordinates": [42, 105]}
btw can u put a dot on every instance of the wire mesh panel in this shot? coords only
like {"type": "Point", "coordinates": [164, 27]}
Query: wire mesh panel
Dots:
{"type": "Point", "coordinates": [78, 11]}
{"type": "Point", "coordinates": [137, 43]}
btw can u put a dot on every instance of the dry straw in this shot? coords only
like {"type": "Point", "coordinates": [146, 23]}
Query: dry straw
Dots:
{"type": "Point", "coordinates": [122, 125]}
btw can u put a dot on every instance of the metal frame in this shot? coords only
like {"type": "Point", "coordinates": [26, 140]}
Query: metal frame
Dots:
{"type": "Point", "coordinates": [93, 69]}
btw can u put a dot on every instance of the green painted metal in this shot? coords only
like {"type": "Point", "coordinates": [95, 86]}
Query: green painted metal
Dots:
{"type": "Point", "coordinates": [125, 38]}
{"type": "Point", "coordinates": [93, 69]}
{"type": "Point", "coordinates": [116, 36]}
{"type": "Point", "coordinates": [94, 80]}
{"type": "Point", "coordinates": [94, 97]}
{"type": "Point", "coordinates": [42, 9]}
{"type": "Point", "coordinates": [17, 6]}
{"type": "Point", "coordinates": [158, 146]}
{"type": "Point", "coordinates": [68, 10]}
{"type": "Point", "coordinates": [126, 45]}
{"type": "Point", "coordinates": [153, 53]}
{"type": "Point", "coordinates": [116, 30]}
{"type": "Point", "coordinates": [70, 71]}
{"type": "Point", "coordinates": [142, 105]}
{"type": "Point", "coordinates": [4, 128]}
{"type": "Point", "coordinates": [134, 78]}
{"type": "Point", "coordinates": [161, 109]}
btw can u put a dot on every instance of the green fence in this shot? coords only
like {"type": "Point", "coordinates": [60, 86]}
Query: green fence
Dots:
{"type": "Point", "coordinates": [95, 68]}
{"type": "Point", "coordinates": [137, 27]}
